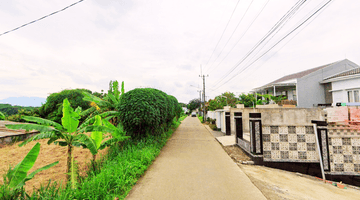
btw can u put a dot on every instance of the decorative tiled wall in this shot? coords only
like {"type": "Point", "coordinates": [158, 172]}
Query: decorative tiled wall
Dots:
{"type": "Point", "coordinates": [344, 149]}
{"type": "Point", "coordinates": [289, 144]}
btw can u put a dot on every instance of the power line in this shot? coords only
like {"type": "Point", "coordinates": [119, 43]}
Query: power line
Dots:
{"type": "Point", "coordinates": [223, 31]}
{"type": "Point", "coordinates": [232, 34]}
{"type": "Point", "coordinates": [40, 18]}
{"type": "Point", "coordinates": [276, 27]}
{"type": "Point", "coordinates": [241, 36]}
{"type": "Point", "coordinates": [276, 43]}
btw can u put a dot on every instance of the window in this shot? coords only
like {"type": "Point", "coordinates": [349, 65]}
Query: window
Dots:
{"type": "Point", "coordinates": [353, 96]}
{"type": "Point", "coordinates": [350, 96]}
{"type": "Point", "coordinates": [356, 96]}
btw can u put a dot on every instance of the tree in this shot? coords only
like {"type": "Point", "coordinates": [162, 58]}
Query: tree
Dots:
{"type": "Point", "coordinates": [193, 104]}
{"type": "Point", "coordinates": [248, 99]}
{"type": "Point", "coordinates": [52, 109]}
{"type": "Point", "coordinates": [225, 99]}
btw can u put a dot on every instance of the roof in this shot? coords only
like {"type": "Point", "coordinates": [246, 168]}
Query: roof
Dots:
{"type": "Point", "coordinates": [297, 75]}
{"type": "Point", "coordinates": [345, 73]}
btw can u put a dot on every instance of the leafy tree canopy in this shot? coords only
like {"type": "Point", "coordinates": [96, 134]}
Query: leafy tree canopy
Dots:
{"type": "Point", "coordinates": [52, 109]}
{"type": "Point", "coordinates": [193, 104]}
{"type": "Point", "coordinates": [225, 99]}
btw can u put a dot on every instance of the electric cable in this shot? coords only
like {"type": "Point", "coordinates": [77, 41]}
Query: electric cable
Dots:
{"type": "Point", "coordinates": [40, 18]}
{"type": "Point", "coordinates": [231, 34]}
{"type": "Point", "coordinates": [223, 32]}
{"type": "Point", "coordinates": [278, 25]}
{"type": "Point", "coordinates": [276, 43]}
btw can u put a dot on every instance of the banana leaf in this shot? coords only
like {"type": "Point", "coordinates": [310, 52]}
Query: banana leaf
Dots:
{"type": "Point", "coordinates": [19, 172]}
{"type": "Point", "coordinates": [42, 121]}
{"type": "Point", "coordinates": [43, 135]}
{"type": "Point", "coordinates": [97, 136]}
{"type": "Point", "coordinates": [89, 143]}
{"type": "Point", "coordinates": [70, 119]}
{"type": "Point", "coordinates": [28, 127]}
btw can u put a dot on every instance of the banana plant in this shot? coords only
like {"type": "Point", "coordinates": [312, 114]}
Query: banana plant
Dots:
{"type": "Point", "coordinates": [15, 178]}
{"type": "Point", "coordinates": [108, 103]}
{"type": "Point", "coordinates": [64, 134]}
{"type": "Point", "coordinates": [96, 141]}
{"type": "Point", "coordinates": [2, 116]}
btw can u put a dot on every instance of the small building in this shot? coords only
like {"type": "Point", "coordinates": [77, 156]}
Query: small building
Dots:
{"type": "Point", "coordinates": [307, 87]}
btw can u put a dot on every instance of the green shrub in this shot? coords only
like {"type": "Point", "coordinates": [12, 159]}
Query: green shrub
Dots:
{"type": "Point", "coordinates": [52, 109]}
{"type": "Point", "coordinates": [146, 110]}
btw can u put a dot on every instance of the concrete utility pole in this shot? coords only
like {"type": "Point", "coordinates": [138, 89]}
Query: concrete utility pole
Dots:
{"type": "Point", "coordinates": [203, 76]}
{"type": "Point", "coordinates": [199, 99]}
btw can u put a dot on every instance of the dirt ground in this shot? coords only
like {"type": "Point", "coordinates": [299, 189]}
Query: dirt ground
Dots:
{"type": "Point", "coordinates": [280, 184]}
{"type": "Point", "coordinates": [13, 154]}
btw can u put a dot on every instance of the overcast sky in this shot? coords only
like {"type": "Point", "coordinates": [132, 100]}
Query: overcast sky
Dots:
{"type": "Point", "coordinates": [162, 44]}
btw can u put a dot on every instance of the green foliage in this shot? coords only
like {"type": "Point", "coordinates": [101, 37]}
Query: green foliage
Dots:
{"type": "Point", "coordinates": [225, 99]}
{"type": "Point", "coordinates": [120, 171]}
{"type": "Point", "coordinates": [2, 116]}
{"type": "Point", "coordinates": [52, 109]}
{"type": "Point", "coordinates": [107, 103]}
{"type": "Point", "coordinates": [201, 118]}
{"type": "Point", "coordinates": [193, 104]}
{"type": "Point", "coordinates": [15, 179]}
{"type": "Point", "coordinates": [20, 113]}
{"type": "Point", "coordinates": [248, 99]}
{"type": "Point", "coordinates": [66, 134]}
{"type": "Point", "coordinates": [146, 110]}
{"type": "Point", "coordinates": [8, 109]}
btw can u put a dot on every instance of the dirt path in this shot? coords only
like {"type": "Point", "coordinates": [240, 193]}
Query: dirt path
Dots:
{"type": "Point", "coordinates": [280, 184]}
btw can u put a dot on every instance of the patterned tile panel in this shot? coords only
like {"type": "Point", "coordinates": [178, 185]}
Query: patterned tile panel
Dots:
{"type": "Point", "coordinates": [289, 144]}
{"type": "Point", "coordinates": [344, 149]}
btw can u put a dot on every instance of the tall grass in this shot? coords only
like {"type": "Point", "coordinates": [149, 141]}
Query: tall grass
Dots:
{"type": "Point", "coordinates": [120, 171]}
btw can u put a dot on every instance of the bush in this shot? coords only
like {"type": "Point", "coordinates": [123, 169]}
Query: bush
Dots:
{"type": "Point", "coordinates": [146, 110]}
{"type": "Point", "coordinates": [52, 109]}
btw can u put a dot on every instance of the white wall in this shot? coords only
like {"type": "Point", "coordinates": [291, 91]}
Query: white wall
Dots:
{"type": "Point", "coordinates": [340, 89]}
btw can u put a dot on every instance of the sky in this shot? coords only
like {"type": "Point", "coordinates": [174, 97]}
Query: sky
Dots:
{"type": "Point", "coordinates": [168, 44]}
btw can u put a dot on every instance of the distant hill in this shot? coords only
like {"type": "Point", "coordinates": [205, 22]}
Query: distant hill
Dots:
{"type": "Point", "coordinates": [24, 101]}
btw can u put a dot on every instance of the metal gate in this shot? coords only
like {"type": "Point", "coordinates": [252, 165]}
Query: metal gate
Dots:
{"type": "Point", "coordinates": [227, 122]}
{"type": "Point", "coordinates": [256, 145]}
{"type": "Point", "coordinates": [238, 125]}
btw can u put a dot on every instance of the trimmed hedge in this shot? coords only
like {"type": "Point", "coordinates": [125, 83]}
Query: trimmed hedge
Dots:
{"type": "Point", "coordinates": [146, 110]}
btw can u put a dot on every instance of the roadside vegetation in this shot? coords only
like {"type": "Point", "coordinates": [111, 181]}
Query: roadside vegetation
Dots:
{"type": "Point", "coordinates": [132, 126]}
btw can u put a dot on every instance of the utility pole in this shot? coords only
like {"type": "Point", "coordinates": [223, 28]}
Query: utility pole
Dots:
{"type": "Point", "coordinates": [199, 99]}
{"type": "Point", "coordinates": [203, 76]}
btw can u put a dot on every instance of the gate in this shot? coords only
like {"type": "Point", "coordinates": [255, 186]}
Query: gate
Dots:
{"type": "Point", "coordinates": [256, 145]}
{"type": "Point", "coordinates": [238, 125]}
{"type": "Point", "coordinates": [227, 122]}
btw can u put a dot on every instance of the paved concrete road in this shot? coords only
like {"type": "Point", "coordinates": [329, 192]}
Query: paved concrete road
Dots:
{"type": "Point", "coordinates": [193, 165]}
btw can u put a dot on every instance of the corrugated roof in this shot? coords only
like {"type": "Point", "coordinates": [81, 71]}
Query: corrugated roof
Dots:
{"type": "Point", "coordinates": [299, 74]}
{"type": "Point", "coordinates": [346, 73]}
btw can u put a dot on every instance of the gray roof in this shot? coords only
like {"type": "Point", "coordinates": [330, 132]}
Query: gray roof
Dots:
{"type": "Point", "coordinates": [345, 73]}
{"type": "Point", "coordinates": [298, 74]}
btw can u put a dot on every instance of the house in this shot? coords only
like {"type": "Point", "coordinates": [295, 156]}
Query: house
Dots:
{"type": "Point", "coordinates": [307, 87]}
{"type": "Point", "coordinates": [344, 87]}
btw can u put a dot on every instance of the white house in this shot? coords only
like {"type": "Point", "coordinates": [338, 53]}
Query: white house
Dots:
{"type": "Point", "coordinates": [344, 86]}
